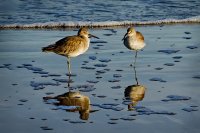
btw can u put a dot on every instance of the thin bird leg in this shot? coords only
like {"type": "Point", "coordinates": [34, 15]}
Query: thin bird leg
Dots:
{"type": "Point", "coordinates": [135, 57]}
{"type": "Point", "coordinates": [68, 65]}
{"type": "Point", "coordinates": [135, 75]}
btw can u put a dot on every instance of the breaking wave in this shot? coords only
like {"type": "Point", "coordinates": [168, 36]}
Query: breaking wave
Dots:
{"type": "Point", "coordinates": [70, 24]}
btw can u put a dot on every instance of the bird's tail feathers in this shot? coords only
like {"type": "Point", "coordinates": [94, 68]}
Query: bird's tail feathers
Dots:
{"type": "Point", "coordinates": [49, 48]}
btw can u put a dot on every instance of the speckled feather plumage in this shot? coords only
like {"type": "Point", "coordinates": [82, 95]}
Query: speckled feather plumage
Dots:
{"type": "Point", "coordinates": [69, 46]}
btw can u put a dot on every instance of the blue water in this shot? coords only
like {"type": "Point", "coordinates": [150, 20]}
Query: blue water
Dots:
{"type": "Point", "coordinates": [43, 11]}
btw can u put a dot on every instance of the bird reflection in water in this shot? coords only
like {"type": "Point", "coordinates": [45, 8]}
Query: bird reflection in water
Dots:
{"type": "Point", "coordinates": [134, 93]}
{"type": "Point", "coordinates": [73, 102]}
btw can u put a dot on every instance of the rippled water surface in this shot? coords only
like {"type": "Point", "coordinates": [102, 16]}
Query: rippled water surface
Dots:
{"type": "Point", "coordinates": [29, 11]}
{"type": "Point", "coordinates": [104, 95]}
{"type": "Point", "coordinates": [105, 92]}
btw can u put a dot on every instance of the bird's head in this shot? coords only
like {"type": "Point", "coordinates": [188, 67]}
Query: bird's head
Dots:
{"type": "Point", "coordinates": [130, 32]}
{"type": "Point", "coordinates": [84, 32]}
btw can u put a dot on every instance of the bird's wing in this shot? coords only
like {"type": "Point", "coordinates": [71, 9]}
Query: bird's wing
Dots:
{"type": "Point", "coordinates": [68, 44]}
{"type": "Point", "coordinates": [62, 41]}
{"type": "Point", "coordinates": [139, 36]}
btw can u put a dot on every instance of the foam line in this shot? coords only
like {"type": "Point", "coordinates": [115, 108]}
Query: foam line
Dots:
{"type": "Point", "coordinates": [71, 24]}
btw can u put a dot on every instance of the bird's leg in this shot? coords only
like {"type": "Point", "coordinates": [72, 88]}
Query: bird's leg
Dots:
{"type": "Point", "coordinates": [134, 67]}
{"type": "Point", "coordinates": [69, 73]}
{"type": "Point", "coordinates": [68, 65]}
{"type": "Point", "coordinates": [135, 57]}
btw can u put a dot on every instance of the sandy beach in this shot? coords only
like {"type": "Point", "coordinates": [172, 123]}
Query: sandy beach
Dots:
{"type": "Point", "coordinates": [168, 68]}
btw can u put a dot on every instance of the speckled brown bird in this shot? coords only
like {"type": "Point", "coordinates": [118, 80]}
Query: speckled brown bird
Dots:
{"type": "Point", "coordinates": [71, 46]}
{"type": "Point", "coordinates": [134, 40]}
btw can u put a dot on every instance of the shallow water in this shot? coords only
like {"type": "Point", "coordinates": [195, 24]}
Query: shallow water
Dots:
{"type": "Point", "coordinates": [27, 75]}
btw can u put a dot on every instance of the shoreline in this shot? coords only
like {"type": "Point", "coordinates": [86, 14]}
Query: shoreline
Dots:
{"type": "Point", "coordinates": [106, 24]}
{"type": "Point", "coordinates": [92, 27]}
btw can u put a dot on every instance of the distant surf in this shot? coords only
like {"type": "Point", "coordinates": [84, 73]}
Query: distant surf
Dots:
{"type": "Point", "coordinates": [77, 24]}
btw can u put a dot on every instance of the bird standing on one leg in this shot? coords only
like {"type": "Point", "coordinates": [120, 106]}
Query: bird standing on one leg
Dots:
{"type": "Point", "coordinates": [71, 46]}
{"type": "Point", "coordinates": [134, 40]}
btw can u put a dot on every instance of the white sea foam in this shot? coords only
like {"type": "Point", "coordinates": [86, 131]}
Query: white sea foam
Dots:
{"type": "Point", "coordinates": [71, 24]}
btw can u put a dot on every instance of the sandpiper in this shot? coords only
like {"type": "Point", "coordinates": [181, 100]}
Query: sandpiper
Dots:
{"type": "Point", "coordinates": [134, 40]}
{"type": "Point", "coordinates": [71, 46]}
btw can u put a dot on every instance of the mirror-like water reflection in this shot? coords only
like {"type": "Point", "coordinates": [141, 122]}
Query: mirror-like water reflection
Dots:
{"type": "Point", "coordinates": [134, 93]}
{"type": "Point", "coordinates": [73, 102]}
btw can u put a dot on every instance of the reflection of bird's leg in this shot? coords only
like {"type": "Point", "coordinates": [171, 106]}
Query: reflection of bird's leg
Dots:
{"type": "Point", "coordinates": [69, 80]}
{"type": "Point", "coordinates": [68, 65]}
{"type": "Point", "coordinates": [135, 75]}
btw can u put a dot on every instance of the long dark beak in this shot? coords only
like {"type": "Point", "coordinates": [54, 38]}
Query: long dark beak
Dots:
{"type": "Point", "coordinates": [90, 35]}
{"type": "Point", "coordinates": [124, 36]}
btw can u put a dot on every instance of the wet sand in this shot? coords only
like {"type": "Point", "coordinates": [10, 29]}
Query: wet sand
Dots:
{"type": "Point", "coordinates": [168, 68]}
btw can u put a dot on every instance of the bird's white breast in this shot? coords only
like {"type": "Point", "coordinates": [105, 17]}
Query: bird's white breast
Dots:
{"type": "Point", "coordinates": [133, 44]}
{"type": "Point", "coordinates": [82, 48]}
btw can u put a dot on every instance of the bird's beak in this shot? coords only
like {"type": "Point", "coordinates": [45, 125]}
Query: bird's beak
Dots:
{"type": "Point", "coordinates": [90, 35]}
{"type": "Point", "coordinates": [124, 36]}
